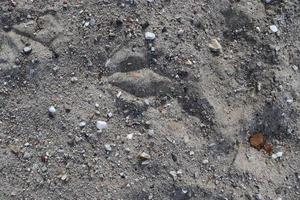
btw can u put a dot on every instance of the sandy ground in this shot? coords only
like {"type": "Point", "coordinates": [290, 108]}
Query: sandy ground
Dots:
{"type": "Point", "coordinates": [157, 99]}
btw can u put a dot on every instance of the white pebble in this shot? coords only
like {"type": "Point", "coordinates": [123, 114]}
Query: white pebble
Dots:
{"type": "Point", "coordinates": [277, 155]}
{"type": "Point", "coordinates": [82, 124]}
{"type": "Point", "coordinates": [205, 161]}
{"type": "Point", "coordinates": [149, 36]}
{"type": "Point", "coordinates": [52, 110]}
{"type": "Point", "coordinates": [101, 125]}
{"type": "Point", "coordinates": [109, 114]}
{"type": "Point", "coordinates": [108, 147]}
{"type": "Point", "coordinates": [274, 28]}
{"type": "Point", "coordinates": [130, 136]}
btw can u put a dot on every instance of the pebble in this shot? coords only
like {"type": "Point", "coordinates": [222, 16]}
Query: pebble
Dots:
{"type": "Point", "coordinates": [101, 125]}
{"type": "Point", "coordinates": [173, 174]}
{"type": "Point", "coordinates": [151, 132]}
{"type": "Point", "coordinates": [82, 124]}
{"type": "Point", "coordinates": [215, 46]}
{"type": "Point", "coordinates": [108, 147]}
{"type": "Point", "coordinates": [205, 161]}
{"type": "Point", "coordinates": [109, 114]}
{"type": "Point", "coordinates": [119, 94]}
{"type": "Point", "coordinates": [274, 28]}
{"type": "Point", "coordinates": [149, 36]}
{"type": "Point", "coordinates": [64, 177]}
{"type": "Point", "coordinates": [180, 32]}
{"type": "Point", "coordinates": [277, 155]}
{"type": "Point", "coordinates": [51, 110]}
{"type": "Point", "coordinates": [27, 50]}
{"type": "Point", "coordinates": [74, 79]}
{"type": "Point", "coordinates": [290, 100]}
{"type": "Point", "coordinates": [130, 136]}
{"type": "Point", "coordinates": [144, 156]}
{"type": "Point", "coordinates": [259, 197]}
{"type": "Point", "coordinates": [295, 68]}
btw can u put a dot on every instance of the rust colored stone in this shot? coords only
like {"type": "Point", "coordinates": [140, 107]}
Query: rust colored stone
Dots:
{"type": "Point", "coordinates": [257, 140]}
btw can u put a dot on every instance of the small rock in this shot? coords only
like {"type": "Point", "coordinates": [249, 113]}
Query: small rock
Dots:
{"type": "Point", "coordinates": [27, 50]}
{"type": "Point", "coordinates": [108, 147]}
{"type": "Point", "coordinates": [119, 94]}
{"type": "Point", "coordinates": [295, 68]}
{"type": "Point", "coordinates": [180, 32]}
{"type": "Point", "coordinates": [82, 124]}
{"type": "Point", "coordinates": [205, 162]}
{"type": "Point", "coordinates": [144, 156]}
{"type": "Point", "coordinates": [149, 36]}
{"type": "Point", "coordinates": [101, 125]}
{"type": "Point", "coordinates": [274, 28]}
{"type": "Point", "coordinates": [151, 132]}
{"type": "Point", "coordinates": [173, 174]}
{"type": "Point", "coordinates": [64, 177]}
{"type": "Point", "coordinates": [290, 100]}
{"type": "Point", "coordinates": [51, 111]}
{"type": "Point", "coordinates": [130, 136]}
{"type": "Point", "coordinates": [277, 155]}
{"type": "Point", "coordinates": [215, 46]}
{"type": "Point", "coordinates": [74, 79]}
{"type": "Point", "coordinates": [257, 140]}
{"type": "Point", "coordinates": [109, 114]}
{"type": "Point", "coordinates": [259, 197]}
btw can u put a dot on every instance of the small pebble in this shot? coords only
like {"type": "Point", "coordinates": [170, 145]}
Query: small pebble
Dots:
{"type": "Point", "coordinates": [109, 114]}
{"type": "Point", "coordinates": [27, 50]}
{"type": "Point", "coordinates": [215, 46]}
{"type": "Point", "coordinates": [277, 155]}
{"type": "Point", "coordinates": [205, 162]}
{"type": "Point", "coordinates": [274, 28]}
{"type": "Point", "coordinates": [74, 79]}
{"type": "Point", "coordinates": [144, 156]}
{"type": "Point", "coordinates": [149, 36]}
{"type": "Point", "coordinates": [82, 124]}
{"type": "Point", "coordinates": [173, 174]}
{"type": "Point", "coordinates": [101, 125]}
{"type": "Point", "coordinates": [130, 136]}
{"type": "Point", "coordinates": [295, 68]}
{"type": "Point", "coordinates": [108, 147]}
{"type": "Point", "coordinates": [64, 177]}
{"type": "Point", "coordinates": [51, 110]}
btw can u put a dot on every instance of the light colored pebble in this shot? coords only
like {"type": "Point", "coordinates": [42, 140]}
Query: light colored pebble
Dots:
{"type": "Point", "coordinates": [51, 109]}
{"type": "Point", "coordinates": [149, 36]}
{"type": "Point", "coordinates": [101, 125]}
{"type": "Point", "coordinates": [274, 28]}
